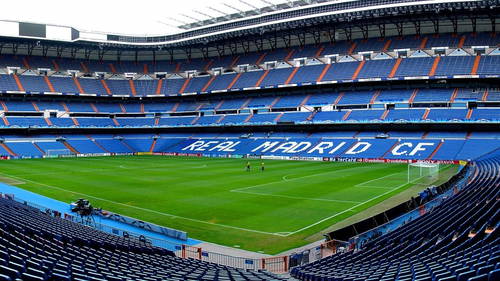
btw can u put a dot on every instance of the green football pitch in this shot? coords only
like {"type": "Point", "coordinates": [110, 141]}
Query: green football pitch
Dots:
{"type": "Point", "coordinates": [217, 200]}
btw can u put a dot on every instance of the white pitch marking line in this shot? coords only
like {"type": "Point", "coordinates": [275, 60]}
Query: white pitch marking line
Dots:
{"type": "Point", "coordinates": [118, 158]}
{"type": "Point", "coordinates": [11, 181]}
{"type": "Point", "coordinates": [283, 233]}
{"type": "Point", "coordinates": [297, 197]}
{"type": "Point", "coordinates": [345, 211]}
{"type": "Point", "coordinates": [110, 169]}
{"type": "Point", "coordinates": [234, 190]}
{"type": "Point", "coordinates": [375, 187]}
{"type": "Point", "coordinates": [149, 210]}
{"type": "Point", "coordinates": [303, 177]}
{"type": "Point", "coordinates": [363, 183]}
{"type": "Point", "coordinates": [285, 177]}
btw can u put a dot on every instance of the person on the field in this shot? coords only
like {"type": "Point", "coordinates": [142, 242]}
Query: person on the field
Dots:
{"type": "Point", "coordinates": [248, 166]}
{"type": "Point", "coordinates": [262, 166]}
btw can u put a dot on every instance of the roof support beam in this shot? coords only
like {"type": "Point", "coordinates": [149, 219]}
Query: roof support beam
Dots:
{"type": "Point", "coordinates": [316, 36]}
{"type": "Point", "coordinates": [273, 41]}
{"type": "Point", "coordinates": [177, 20]}
{"type": "Point", "coordinates": [100, 54]}
{"type": "Point", "coordinates": [331, 34]}
{"type": "Point", "coordinates": [348, 33]}
{"type": "Point", "coordinates": [259, 44]}
{"type": "Point", "coordinates": [225, 15]}
{"type": "Point", "coordinates": [435, 24]}
{"type": "Point", "coordinates": [59, 51]}
{"type": "Point", "coordinates": [302, 38]}
{"type": "Point", "coordinates": [118, 55]}
{"type": "Point", "coordinates": [381, 29]}
{"type": "Point", "coordinates": [399, 28]}
{"type": "Point", "coordinates": [221, 50]}
{"type": "Point", "coordinates": [73, 52]}
{"type": "Point", "coordinates": [45, 50]}
{"type": "Point", "coordinates": [473, 21]}
{"type": "Point", "coordinates": [287, 39]}
{"type": "Point", "coordinates": [171, 54]}
{"type": "Point", "coordinates": [245, 45]}
{"type": "Point", "coordinates": [15, 47]}
{"type": "Point", "coordinates": [204, 51]}
{"type": "Point", "coordinates": [210, 18]}
{"type": "Point", "coordinates": [364, 30]}
{"type": "Point", "coordinates": [190, 17]}
{"type": "Point", "coordinates": [417, 25]}
{"type": "Point", "coordinates": [454, 22]}
{"type": "Point", "coordinates": [30, 49]}
{"type": "Point", "coordinates": [272, 6]}
{"type": "Point", "coordinates": [87, 53]}
{"type": "Point", "coordinates": [248, 4]}
{"type": "Point", "coordinates": [188, 52]}
{"type": "Point", "coordinates": [234, 8]}
{"type": "Point", "coordinates": [233, 47]}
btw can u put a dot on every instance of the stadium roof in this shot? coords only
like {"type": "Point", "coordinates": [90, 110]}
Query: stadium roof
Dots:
{"type": "Point", "coordinates": [237, 9]}
{"type": "Point", "coordinates": [165, 27]}
{"type": "Point", "coordinates": [150, 17]}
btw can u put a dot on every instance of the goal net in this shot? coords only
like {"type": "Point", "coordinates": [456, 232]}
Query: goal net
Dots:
{"type": "Point", "coordinates": [54, 153]}
{"type": "Point", "coordinates": [423, 173]}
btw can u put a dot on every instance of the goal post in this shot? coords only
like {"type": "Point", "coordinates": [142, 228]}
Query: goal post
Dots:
{"type": "Point", "coordinates": [54, 153]}
{"type": "Point", "coordinates": [423, 172]}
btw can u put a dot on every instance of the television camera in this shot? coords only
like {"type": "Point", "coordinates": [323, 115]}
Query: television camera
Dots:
{"type": "Point", "coordinates": [85, 211]}
{"type": "Point", "coordinates": [82, 207]}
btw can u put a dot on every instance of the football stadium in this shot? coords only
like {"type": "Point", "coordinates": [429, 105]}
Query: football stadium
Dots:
{"type": "Point", "coordinates": [238, 140]}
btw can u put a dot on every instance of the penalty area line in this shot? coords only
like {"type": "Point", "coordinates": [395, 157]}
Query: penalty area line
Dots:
{"type": "Point", "coordinates": [363, 184]}
{"type": "Point", "coordinates": [149, 210]}
{"type": "Point", "coordinates": [345, 211]}
{"type": "Point", "coordinates": [297, 197]}
{"type": "Point", "coordinates": [286, 179]}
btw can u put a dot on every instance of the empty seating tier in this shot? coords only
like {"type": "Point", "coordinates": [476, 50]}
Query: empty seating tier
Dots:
{"type": "Point", "coordinates": [37, 246]}
{"type": "Point", "coordinates": [458, 240]}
